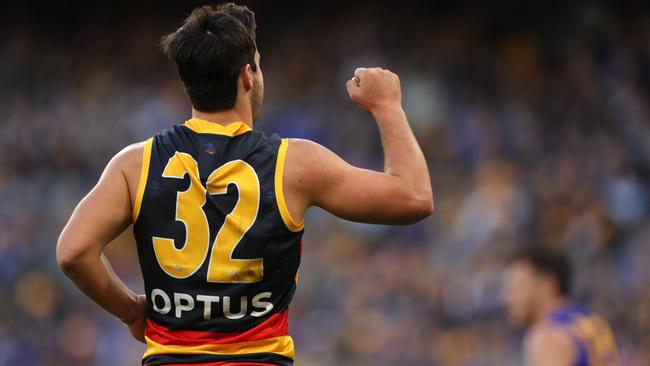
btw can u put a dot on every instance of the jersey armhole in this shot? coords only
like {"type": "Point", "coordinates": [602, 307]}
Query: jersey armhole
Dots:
{"type": "Point", "coordinates": [144, 172]}
{"type": "Point", "coordinates": [279, 192]}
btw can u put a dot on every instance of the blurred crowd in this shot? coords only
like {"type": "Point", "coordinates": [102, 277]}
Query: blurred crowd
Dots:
{"type": "Point", "coordinates": [536, 130]}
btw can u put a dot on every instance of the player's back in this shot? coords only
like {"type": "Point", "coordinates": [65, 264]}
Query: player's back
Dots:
{"type": "Point", "coordinates": [592, 338]}
{"type": "Point", "coordinates": [218, 250]}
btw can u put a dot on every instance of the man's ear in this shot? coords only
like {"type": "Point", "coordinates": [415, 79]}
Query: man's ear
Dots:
{"type": "Point", "coordinates": [247, 77]}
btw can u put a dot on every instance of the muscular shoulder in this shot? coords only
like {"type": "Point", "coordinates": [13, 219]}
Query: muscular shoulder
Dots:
{"type": "Point", "coordinates": [129, 159]}
{"type": "Point", "coordinates": [308, 170]}
{"type": "Point", "coordinates": [310, 156]}
{"type": "Point", "coordinates": [300, 155]}
{"type": "Point", "coordinates": [128, 162]}
{"type": "Point", "coordinates": [548, 344]}
{"type": "Point", "coordinates": [130, 153]}
{"type": "Point", "coordinates": [305, 151]}
{"type": "Point", "coordinates": [309, 164]}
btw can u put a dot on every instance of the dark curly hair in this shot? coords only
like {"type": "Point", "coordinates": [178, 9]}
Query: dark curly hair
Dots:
{"type": "Point", "coordinates": [210, 49]}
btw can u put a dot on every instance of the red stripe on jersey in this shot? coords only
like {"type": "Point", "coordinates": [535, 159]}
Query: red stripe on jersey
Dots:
{"type": "Point", "coordinates": [275, 326]}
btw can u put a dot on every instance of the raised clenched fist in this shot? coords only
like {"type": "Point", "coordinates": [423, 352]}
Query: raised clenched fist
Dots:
{"type": "Point", "coordinates": [375, 88]}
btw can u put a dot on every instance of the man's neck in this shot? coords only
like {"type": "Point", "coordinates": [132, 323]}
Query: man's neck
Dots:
{"type": "Point", "coordinates": [550, 305]}
{"type": "Point", "coordinates": [224, 118]}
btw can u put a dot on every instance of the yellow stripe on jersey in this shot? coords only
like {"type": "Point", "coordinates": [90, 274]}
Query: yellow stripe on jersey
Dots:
{"type": "Point", "coordinates": [282, 345]}
{"type": "Point", "coordinates": [202, 126]}
{"type": "Point", "coordinates": [597, 337]}
{"type": "Point", "coordinates": [144, 172]}
{"type": "Point", "coordinates": [279, 193]}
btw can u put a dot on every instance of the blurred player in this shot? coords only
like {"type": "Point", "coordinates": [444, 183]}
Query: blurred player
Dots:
{"type": "Point", "coordinates": [560, 333]}
{"type": "Point", "coordinates": [217, 206]}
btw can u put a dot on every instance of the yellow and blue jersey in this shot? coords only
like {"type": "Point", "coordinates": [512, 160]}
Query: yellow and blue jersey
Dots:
{"type": "Point", "coordinates": [218, 249]}
{"type": "Point", "coordinates": [592, 337]}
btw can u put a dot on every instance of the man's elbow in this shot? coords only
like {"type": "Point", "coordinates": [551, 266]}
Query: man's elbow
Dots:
{"type": "Point", "coordinates": [67, 258]}
{"type": "Point", "coordinates": [420, 208]}
{"type": "Point", "coordinates": [424, 207]}
{"type": "Point", "coordinates": [66, 261]}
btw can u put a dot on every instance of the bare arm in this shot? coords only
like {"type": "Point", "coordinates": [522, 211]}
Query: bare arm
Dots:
{"type": "Point", "coordinates": [100, 217]}
{"type": "Point", "coordinates": [549, 346]}
{"type": "Point", "coordinates": [401, 194]}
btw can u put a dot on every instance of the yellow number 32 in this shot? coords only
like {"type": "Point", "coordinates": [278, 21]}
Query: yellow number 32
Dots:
{"type": "Point", "coordinates": [184, 262]}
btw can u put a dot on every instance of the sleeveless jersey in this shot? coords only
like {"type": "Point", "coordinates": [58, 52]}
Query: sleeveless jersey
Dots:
{"type": "Point", "coordinates": [218, 249]}
{"type": "Point", "coordinates": [592, 338]}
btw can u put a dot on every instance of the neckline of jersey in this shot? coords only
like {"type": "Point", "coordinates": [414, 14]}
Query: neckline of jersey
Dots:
{"type": "Point", "coordinates": [202, 126]}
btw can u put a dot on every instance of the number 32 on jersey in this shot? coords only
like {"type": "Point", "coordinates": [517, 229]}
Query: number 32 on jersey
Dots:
{"type": "Point", "coordinates": [222, 268]}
